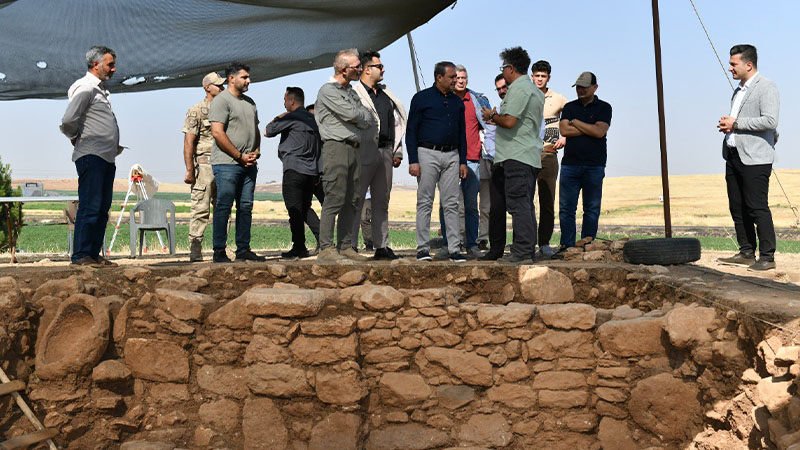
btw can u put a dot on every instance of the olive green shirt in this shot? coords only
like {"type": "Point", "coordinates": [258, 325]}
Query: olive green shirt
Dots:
{"type": "Point", "coordinates": [197, 123]}
{"type": "Point", "coordinates": [239, 118]}
{"type": "Point", "coordinates": [522, 143]}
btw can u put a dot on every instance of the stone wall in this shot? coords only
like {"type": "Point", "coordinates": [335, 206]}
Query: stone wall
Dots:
{"type": "Point", "coordinates": [538, 359]}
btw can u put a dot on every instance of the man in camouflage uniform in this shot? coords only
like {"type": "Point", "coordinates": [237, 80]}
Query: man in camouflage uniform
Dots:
{"type": "Point", "coordinates": [197, 145]}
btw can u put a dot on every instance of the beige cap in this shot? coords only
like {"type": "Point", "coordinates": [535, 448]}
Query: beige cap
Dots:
{"type": "Point", "coordinates": [585, 79]}
{"type": "Point", "coordinates": [213, 78]}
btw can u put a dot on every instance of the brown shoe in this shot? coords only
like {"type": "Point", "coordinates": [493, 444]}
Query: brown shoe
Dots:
{"type": "Point", "coordinates": [86, 261]}
{"type": "Point", "coordinates": [351, 253]}
{"type": "Point", "coordinates": [105, 263]}
{"type": "Point", "coordinates": [739, 259]}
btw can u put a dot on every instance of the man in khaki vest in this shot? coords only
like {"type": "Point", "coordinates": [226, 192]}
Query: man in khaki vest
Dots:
{"type": "Point", "coordinates": [197, 145]}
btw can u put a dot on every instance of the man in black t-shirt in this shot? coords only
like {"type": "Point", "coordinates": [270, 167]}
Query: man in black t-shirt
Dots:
{"type": "Point", "coordinates": [584, 122]}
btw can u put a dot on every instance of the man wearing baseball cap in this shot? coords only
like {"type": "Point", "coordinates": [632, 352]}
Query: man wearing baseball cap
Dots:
{"type": "Point", "coordinates": [584, 122]}
{"type": "Point", "coordinates": [197, 144]}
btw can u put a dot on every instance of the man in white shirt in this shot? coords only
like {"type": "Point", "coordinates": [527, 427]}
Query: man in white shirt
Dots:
{"type": "Point", "coordinates": [90, 125]}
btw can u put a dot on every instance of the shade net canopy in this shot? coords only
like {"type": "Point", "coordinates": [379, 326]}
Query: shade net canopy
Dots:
{"type": "Point", "coordinates": [174, 43]}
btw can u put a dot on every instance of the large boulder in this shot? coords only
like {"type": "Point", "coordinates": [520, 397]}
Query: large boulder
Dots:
{"type": "Point", "coordinates": [666, 406]}
{"type": "Point", "coordinates": [635, 337]}
{"type": "Point", "coordinates": [75, 339]}
{"type": "Point", "coordinates": [689, 327]}
{"type": "Point", "coordinates": [544, 285]}
{"type": "Point", "coordinates": [156, 360]}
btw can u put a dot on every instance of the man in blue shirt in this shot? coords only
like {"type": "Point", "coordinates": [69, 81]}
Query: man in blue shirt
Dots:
{"type": "Point", "coordinates": [437, 154]}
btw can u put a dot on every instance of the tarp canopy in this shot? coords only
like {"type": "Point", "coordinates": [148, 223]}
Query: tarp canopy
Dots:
{"type": "Point", "coordinates": [173, 43]}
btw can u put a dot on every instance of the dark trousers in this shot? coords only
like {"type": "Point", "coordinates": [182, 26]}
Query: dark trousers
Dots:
{"type": "Point", "coordinates": [748, 200]}
{"type": "Point", "coordinates": [547, 197]}
{"type": "Point", "coordinates": [95, 190]}
{"type": "Point", "coordinates": [312, 219]}
{"type": "Point", "coordinates": [298, 189]}
{"type": "Point", "coordinates": [512, 189]}
{"type": "Point", "coordinates": [234, 183]}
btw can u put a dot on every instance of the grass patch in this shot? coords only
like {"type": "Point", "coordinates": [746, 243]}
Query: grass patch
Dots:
{"type": "Point", "coordinates": [182, 197]}
{"type": "Point", "coordinates": [53, 239]}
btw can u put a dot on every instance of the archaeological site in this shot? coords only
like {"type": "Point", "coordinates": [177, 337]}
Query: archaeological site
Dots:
{"type": "Point", "coordinates": [588, 353]}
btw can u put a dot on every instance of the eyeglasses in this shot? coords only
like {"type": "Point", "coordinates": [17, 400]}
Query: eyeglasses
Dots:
{"type": "Point", "coordinates": [358, 67]}
{"type": "Point", "coordinates": [377, 66]}
{"type": "Point", "coordinates": [503, 67]}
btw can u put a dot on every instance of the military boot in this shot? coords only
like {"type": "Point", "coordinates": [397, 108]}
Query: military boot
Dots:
{"type": "Point", "coordinates": [195, 251]}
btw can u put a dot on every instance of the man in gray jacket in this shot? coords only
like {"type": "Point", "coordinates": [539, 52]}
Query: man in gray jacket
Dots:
{"type": "Point", "coordinates": [749, 151]}
{"type": "Point", "coordinates": [340, 117]}
{"type": "Point", "coordinates": [380, 151]}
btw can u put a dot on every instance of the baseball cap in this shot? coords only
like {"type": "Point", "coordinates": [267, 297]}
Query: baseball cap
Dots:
{"type": "Point", "coordinates": [585, 79]}
{"type": "Point", "coordinates": [213, 78]}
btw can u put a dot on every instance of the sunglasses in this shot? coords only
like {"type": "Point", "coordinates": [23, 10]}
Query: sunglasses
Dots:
{"type": "Point", "coordinates": [503, 67]}
{"type": "Point", "coordinates": [501, 88]}
{"type": "Point", "coordinates": [377, 66]}
{"type": "Point", "coordinates": [358, 67]}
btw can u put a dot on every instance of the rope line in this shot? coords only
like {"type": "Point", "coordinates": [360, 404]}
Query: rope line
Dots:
{"type": "Point", "coordinates": [722, 66]}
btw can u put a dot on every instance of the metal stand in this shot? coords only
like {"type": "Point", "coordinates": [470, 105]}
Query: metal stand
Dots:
{"type": "Point", "coordinates": [135, 181]}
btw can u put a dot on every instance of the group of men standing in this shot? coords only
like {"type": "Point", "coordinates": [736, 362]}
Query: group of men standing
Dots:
{"type": "Point", "coordinates": [349, 142]}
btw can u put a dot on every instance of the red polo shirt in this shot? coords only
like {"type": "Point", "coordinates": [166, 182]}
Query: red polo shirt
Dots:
{"type": "Point", "coordinates": [473, 129]}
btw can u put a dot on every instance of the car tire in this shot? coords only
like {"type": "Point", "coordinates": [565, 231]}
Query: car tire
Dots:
{"type": "Point", "coordinates": [662, 251]}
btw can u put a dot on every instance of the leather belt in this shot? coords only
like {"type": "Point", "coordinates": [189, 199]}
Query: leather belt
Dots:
{"type": "Point", "coordinates": [202, 159]}
{"type": "Point", "coordinates": [438, 148]}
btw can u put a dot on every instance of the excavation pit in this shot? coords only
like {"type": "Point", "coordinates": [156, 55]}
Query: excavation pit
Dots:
{"type": "Point", "coordinates": [572, 355]}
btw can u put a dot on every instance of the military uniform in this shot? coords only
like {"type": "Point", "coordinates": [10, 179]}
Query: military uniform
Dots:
{"type": "Point", "coordinates": [204, 189]}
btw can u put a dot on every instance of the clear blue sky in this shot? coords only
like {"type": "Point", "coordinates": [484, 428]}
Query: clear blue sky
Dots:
{"type": "Point", "coordinates": [612, 38]}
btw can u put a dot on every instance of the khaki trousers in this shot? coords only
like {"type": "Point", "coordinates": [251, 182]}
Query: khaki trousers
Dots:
{"type": "Point", "coordinates": [204, 194]}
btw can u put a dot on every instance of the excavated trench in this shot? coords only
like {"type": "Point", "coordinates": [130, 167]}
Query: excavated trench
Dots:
{"type": "Point", "coordinates": [573, 355]}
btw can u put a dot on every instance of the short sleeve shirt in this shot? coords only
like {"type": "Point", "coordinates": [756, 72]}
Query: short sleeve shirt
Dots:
{"type": "Point", "coordinates": [239, 118]}
{"type": "Point", "coordinates": [522, 143]}
{"type": "Point", "coordinates": [585, 150]}
{"type": "Point", "coordinates": [553, 105]}
{"type": "Point", "coordinates": [197, 123]}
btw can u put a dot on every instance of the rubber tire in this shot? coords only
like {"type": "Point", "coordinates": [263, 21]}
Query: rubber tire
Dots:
{"type": "Point", "coordinates": [662, 251]}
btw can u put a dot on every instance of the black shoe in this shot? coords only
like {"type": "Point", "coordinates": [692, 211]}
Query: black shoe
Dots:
{"type": "Point", "coordinates": [457, 258]}
{"type": "Point", "coordinates": [424, 255]}
{"type": "Point", "coordinates": [483, 245]}
{"type": "Point", "coordinates": [559, 254]}
{"type": "Point", "coordinates": [491, 256]}
{"type": "Point", "coordinates": [296, 252]}
{"type": "Point", "coordinates": [220, 256]}
{"type": "Point", "coordinates": [762, 265]}
{"type": "Point", "coordinates": [512, 259]}
{"type": "Point", "coordinates": [739, 259]}
{"type": "Point", "coordinates": [248, 255]}
{"type": "Point", "coordinates": [385, 254]}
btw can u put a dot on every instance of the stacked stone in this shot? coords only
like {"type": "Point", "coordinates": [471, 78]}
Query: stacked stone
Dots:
{"type": "Point", "coordinates": [353, 365]}
{"type": "Point", "coordinates": [589, 249]}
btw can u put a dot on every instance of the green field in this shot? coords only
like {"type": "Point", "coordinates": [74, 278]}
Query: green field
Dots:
{"type": "Point", "coordinates": [53, 239]}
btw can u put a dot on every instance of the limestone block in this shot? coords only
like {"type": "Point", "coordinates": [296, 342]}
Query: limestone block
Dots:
{"type": "Point", "coordinates": [62, 288]}
{"type": "Point", "coordinates": [340, 388]}
{"type": "Point", "coordinates": [442, 338]}
{"type": "Point", "coordinates": [563, 399]}
{"type": "Point", "coordinates": [403, 389]}
{"type": "Point", "coordinates": [553, 344]}
{"type": "Point", "coordinates": [491, 430]}
{"type": "Point", "coordinates": [284, 302]}
{"type": "Point", "coordinates": [75, 339]}
{"type": "Point", "coordinates": [512, 315]}
{"type": "Point", "coordinates": [262, 349]}
{"type": "Point", "coordinates": [184, 305]}
{"type": "Point", "coordinates": [380, 298]}
{"type": "Point", "coordinates": [774, 393]}
{"type": "Point", "coordinates": [338, 326]}
{"type": "Point", "coordinates": [542, 285]}
{"type": "Point", "coordinates": [156, 360]}
{"type": "Point", "coordinates": [666, 406]}
{"type": "Point", "coordinates": [454, 396]}
{"type": "Point", "coordinates": [324, 350]}
{"type": "Point", "coordinates": [688, 327]}
{"type": "Point", "coordinates": [277, 380]}
{"type": "Point", "coordinates": [625, 312]}
{"type": "Point", "coordinates": [514, 371]}
{"type": "Point", "coordinates": [615, 435]}
{"type": "Point", "coordinates": [221, 414]}
{"type": "Point", "coordinates": [336, 430]}
{"type": "Point", "coordinates": [635, 337]}
{"type": "Point", "coordinates": [568, 316]}
{"type": "Point", "coordinates": [408, 436]}
{"type": "Point", "coordinates": [559, 380]}
{"type": "Point", "coordinates": [262, 425]}
{"type": "Point", "coordinates": [513, 395]}
{"type": "Point", "coordinates": [110, 371]}
{"type": "Point", "coordinates": [468, 367]}
{"type": "Point", "coordinates": [184, 282]}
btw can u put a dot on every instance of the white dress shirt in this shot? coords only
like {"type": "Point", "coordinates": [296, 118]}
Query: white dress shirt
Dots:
{"type": "Point", "coordinates": [738, 97]}
{"type": "Point", "coordinates": [90, 120]}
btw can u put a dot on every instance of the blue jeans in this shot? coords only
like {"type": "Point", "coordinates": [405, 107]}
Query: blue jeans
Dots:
{"type": "Point", "coordinates": [234, 182]}
{"type": "Point", "coordinates": [469, 189]}
{"type": "Point", "coordinates": [95, 189]}
{"type": "Point", "coordinates": [572, 181]}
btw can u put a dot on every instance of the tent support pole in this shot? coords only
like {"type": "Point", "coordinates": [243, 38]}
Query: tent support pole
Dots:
{"type": "Point", "coordinates": [413, 61]}
{"type": "Point", "coordinates": [662, 122]}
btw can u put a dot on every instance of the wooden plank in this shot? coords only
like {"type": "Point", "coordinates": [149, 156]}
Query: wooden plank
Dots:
{"type": "Point", "coordinates": [24, 441]}
{"type": "Point", "coordinates": [14, 386]}
{"type": "Point", "coordinates": [27, 411]}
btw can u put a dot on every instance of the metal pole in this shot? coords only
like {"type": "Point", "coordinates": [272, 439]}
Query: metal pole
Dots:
{"type": "Point", "coordinates": [413, 61]}
{"type": "Point", "coordinates": [662, 129]}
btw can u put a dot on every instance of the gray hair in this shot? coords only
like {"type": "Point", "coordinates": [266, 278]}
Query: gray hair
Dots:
{"type": "Point", "coordinates": [96, 53]}
{"type": "Point", "coordinates": [460, 68]}
{"type": "Point", "coordinates": [340, 62]}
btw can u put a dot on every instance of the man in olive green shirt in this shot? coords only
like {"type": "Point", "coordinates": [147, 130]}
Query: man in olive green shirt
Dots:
{"type": "Point", "coordinates": [517, 160]}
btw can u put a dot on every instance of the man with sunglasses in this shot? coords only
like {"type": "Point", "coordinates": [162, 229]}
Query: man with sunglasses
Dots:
{"type": "Point", "coordinates": [437, 154]}
{"type": "Point", "coordinates": [341, 119]}
{"type": "Point", "coordinates": [197, 145]}
{"type": "Point", "coordinates": [381, 150]}
{"type": "Point", "coordinates": [517, 161]}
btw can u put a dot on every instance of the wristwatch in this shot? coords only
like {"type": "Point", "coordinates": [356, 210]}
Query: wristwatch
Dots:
{"type": "Point", "coordinates": [735, 125]}
{"type": "Point", "coordinates": [570, 122]}
{"type": "Point", "coordinates": [494, 113]}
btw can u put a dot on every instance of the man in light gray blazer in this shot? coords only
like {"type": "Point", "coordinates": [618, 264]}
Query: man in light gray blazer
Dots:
{"type": "Point", "coordinates": [380, 152]}
{"type": "Point", "coordinates": [749, 151]}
